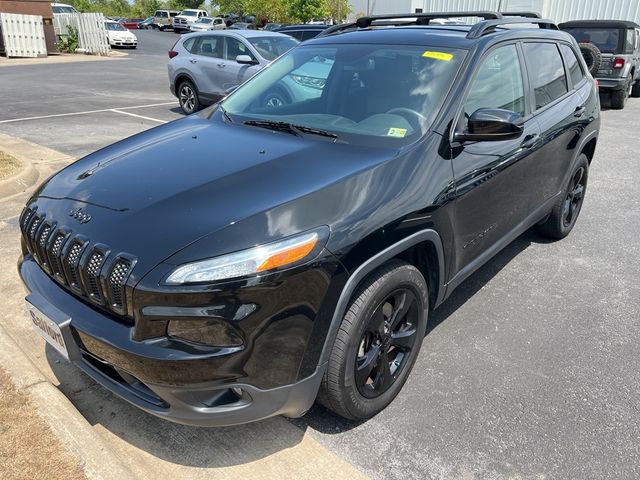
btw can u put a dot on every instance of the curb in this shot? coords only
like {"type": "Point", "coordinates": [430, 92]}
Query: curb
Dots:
{"type": "Point", "coordinates": [20, 181]}
{"type": "Point", "coordinates": [74, 431]}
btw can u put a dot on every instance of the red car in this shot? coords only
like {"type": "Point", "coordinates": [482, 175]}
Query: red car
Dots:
{"type": "Point", "coordinates": [130, 23]}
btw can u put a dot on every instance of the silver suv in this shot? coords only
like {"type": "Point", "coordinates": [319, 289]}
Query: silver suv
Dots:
{"type": "Point", "coordinates": [204, 66]}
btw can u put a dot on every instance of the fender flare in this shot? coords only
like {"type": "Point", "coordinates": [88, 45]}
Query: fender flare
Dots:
{"type": "Point", "coordinates": [427, 235]}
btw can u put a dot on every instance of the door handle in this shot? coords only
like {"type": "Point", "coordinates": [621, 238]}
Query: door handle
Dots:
{"type": "Point", "coordinates": [222, 65]}
{"type": "Point", "coordinates": [193, 60]}
{"type": "Point", "coordinates": [529, 141]}
{"type": "Point", "coordinates": [579, 111]}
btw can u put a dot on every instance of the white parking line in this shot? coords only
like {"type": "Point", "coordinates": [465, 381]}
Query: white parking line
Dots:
{"type": "Point", "coordinates": [138, 116]}
{"type": "Point", "coordinates": [87, 112]}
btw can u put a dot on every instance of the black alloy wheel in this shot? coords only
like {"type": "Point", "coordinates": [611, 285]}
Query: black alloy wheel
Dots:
{"type": "Point", "coordinates": [389, 337]}
{"type": "Point", "coordinates": [575, 196]}
{"type": "Point", "coordinates": [378, 341]}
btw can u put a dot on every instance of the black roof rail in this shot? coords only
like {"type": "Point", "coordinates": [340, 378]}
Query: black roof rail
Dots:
{"type": "Point", "coordinates": [521, 14]}
{"type": "Point", "coordinates": [489, 26]}
{"type": "Point", "coordinates": [337, 29]}
{"type": "Point", "coordinates": [422, 18]}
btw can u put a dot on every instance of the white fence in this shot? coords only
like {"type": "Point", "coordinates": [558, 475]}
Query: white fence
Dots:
{"type": "Point", "coordinates": [92, 33]}
{"type": "Point", "coordinates": [23, 35]}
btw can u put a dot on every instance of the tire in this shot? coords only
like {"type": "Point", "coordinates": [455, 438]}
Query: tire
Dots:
{"type": "Point", "coordinates": [619, 97]}
{"type": "Point", "coordinates": [365, 340]}
{"type": "Point", "coordinates": [161, 29]}
{"type": "Point", "coordinates": [635, 90]}
{"type": "Point", "coordinates": [592, 57]}
{"type": "Point", "coordinates": [188, 97]}
{"type": "Point", "coordinates": [566, 210]}
{"type": "Point", "coordinates": [275, 99]}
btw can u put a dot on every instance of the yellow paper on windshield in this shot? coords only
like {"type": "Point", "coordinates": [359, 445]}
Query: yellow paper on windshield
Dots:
{"type": "Point", "coordinates": [397, 132]}
{"type": "Point", "coordinates": [438, 55]}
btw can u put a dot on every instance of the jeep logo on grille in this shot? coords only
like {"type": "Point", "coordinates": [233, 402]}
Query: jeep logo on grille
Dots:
{"type": "Point", "coordinates": [80, 214]}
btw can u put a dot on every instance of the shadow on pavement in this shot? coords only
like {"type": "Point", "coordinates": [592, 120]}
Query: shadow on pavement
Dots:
{"type": "Point", "coordinates": [178, 444]}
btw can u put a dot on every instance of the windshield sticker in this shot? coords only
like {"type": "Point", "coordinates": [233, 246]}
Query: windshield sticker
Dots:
{"type": "Point", "coordinates": [447, 57]}
{"type": "Point", "coordinates": [397, 132]}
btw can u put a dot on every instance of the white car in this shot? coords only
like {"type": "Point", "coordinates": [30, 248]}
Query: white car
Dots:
{"type": "Point", "coordinates": [119, 36]}
{"type": "Point", "coordinates": [186, 18]}
{"type": "Point", "coordinates": [208, 23]}
{"type": "Point", "coordinates": [60, 8]}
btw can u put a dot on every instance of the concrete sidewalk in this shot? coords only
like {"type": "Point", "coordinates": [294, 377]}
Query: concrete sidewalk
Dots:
{"type": "Point", "coordinates": [111, 438]}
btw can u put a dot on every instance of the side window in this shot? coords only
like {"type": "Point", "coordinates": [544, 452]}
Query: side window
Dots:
{"type": "Point", "coordinates": [572, 64]}
{"type": "Point", "coordinates": [546, 72]}
{"type": "Point", "coordinates": [498, 83]}
{"type": "Point", "coordinates": [631, 41]}
{"type": "Point", "coordinates": [209, 47]}
{"type": "Point", "coordinates": [233, 48]}
{"type": "Point", "coordinates": [307, 34]}
{"type": "Point", "coordinates": [188, 44]}
{"type": "Point", "coordinates": [297, 34]}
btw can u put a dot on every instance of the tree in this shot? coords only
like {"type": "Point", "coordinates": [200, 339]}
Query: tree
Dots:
{"type": "Point", "coordinates": [239, 7]}
{"type": "Point", "coordinates": [338, 10]}
{"type": "Point", "coordinates": [272, 10]}
{"type": "Point", "coordinates": [305, 10]}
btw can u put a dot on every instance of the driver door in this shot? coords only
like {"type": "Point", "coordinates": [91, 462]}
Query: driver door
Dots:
{"type": "Point", "coordinates": [493, 178]}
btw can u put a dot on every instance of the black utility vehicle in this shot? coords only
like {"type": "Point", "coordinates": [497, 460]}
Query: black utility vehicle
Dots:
{"type": "Point", "coordinates": [227, 266]}
{"type": "Point", "coordinates": [612, 48]}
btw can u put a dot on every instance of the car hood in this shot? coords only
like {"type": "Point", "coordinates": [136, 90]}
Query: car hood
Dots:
{"type": "Point", "coordinates": [165, 188]}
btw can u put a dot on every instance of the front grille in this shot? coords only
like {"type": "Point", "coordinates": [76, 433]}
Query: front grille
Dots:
{"type": "Point", "coordinates": [87, 269]}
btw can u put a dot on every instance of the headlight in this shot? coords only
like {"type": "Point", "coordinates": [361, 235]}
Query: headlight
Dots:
{"type": "Point", "coordinates": [306, 81]}
{"type": "Point", "coordinates": [272, 256]}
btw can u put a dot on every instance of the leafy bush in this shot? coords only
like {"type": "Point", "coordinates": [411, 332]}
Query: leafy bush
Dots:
{"type": "Point", "coordinates": [69, 43]}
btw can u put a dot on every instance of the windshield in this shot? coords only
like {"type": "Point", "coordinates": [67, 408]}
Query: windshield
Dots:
{"type": "Point", "coordinates": [115, 26]}
{"type": "Point", "coordinates": [204, 20]}
{"type": "Point", "coordinates": [271, 48]}
{"type": "Point", "coordinates": [606, 39]}
{"type": "Point", "coordinates": [188, 13]}
{"type": "Point", "coordinates": [363, 93]}
{"type": "Point", "coordinates": [63, 10]}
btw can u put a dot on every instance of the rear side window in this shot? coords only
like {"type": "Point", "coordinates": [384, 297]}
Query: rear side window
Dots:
{"type": "Point", "coordinates": [572, 64]}
{"type": "Point", "coordinates": [546, 72]}
{"type": "Point", "coordinates": [498, 83]}
{"type": "Point", "coordinates": [188, 44]}
{"type": "Point", "coordinates": [209, 47]}
{"type": "Point", "coordinates": [631, 41]}
{"type": "Point", "coordinates": [306, 35]}
{"type": "Point", "coordinates": [297, 34]}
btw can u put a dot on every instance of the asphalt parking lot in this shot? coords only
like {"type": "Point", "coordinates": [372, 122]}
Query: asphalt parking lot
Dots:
{"type": "Point", "coordinates": [530, 370]}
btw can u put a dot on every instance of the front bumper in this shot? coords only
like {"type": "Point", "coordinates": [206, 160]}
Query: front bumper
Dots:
{"type": "Point", "coordinates": [104, 349]}
{"type": "Point", "coordinates": [124, 43]}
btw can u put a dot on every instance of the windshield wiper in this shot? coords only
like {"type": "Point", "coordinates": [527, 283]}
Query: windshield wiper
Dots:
{"type": "Point", "coordinates": [225, 114]}
{"type": "Point", "coordinates": [290, 128]}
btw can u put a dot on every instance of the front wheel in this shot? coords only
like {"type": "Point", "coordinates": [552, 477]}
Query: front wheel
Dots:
{"type": "Point", "coordinates": [566, 210]}
{"type": "Point", "coordinates": [377, 343]}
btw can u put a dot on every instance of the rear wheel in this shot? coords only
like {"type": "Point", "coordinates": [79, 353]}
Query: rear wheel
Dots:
{"type": "Point", "coordinates": [188, 97]}
{"type": "Point", "coordinates": [619, 97]}
{"type": "Point", "coordinates": [377, 343]}
{"type": "Point", "coordinates": [566, 210]}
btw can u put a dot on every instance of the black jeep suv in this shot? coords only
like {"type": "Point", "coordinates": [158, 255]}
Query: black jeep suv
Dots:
{"type": "Point", "coordinates": [226, 267]}
{"type": "Point", "coordinates": [613, 50]}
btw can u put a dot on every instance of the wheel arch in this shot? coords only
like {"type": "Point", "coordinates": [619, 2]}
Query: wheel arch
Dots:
{"type": "Point", "coordinates": [422, 249]}
{"type": "Point", "coordinates": [589, 149]}
{"type": "Point", "coordinates": [181, 77]}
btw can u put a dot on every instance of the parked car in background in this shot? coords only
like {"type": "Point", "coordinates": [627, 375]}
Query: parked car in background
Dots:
{"type": "Point", "coordinates": [183, 21]}
{"type": "Point", "coordinates": [147, 23]}
{"type": "Point", "coordinates": [612, 50]}
{"type": "Point", "coordinates": [119, 36]}
{"type": "Point", "coordinates": [271, 27]}
{"type": "Point", "coordinates": [243, 26]}
{"type": "Point", "coordinates": [302, 32]}
{"type": "Point", "coordinates": [208, 23]}
{"type": "Point", "coordinates": [130, 23]}
{"type": "Point", "coordinates": [59, 8]}
{"type": "Point", "coordinates": [230, 18]}
{"type": "Point", "coordinates": [163, 19]}
{"type": "Point", "coordinates": [204, 66]}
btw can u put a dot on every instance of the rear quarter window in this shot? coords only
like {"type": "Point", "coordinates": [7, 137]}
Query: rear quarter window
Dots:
{"type": "Point", "coordinates": [572, 64]}
{"type": "Point", "coordinates": [546, 72]}
{"type": "Point", "coordinates": [189, 43]}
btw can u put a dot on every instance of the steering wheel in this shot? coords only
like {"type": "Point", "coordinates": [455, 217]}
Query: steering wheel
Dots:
{"type": "Point", "coordinates": [416, 119]}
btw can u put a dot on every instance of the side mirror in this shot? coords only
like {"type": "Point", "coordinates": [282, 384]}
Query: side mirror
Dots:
{"type": "Point", "coordinates": [490, 125]}
{"type": "Point", "coordinates": [245, 60]}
